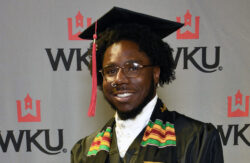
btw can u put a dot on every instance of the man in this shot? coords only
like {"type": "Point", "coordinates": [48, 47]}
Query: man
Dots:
{"type": "Point", "coordinates": [132, 60]}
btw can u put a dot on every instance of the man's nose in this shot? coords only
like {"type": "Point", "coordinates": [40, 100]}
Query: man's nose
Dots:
{"type": "Point", "coordinates": [120, 77]}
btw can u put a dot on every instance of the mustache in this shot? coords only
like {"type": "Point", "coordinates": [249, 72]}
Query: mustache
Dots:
{"type": "Point", "coordinates": [121, 88]}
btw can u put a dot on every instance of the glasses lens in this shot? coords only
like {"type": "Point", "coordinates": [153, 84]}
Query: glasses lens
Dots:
{"type": "Point", "coordinates": [110, 71]}
{"type": "Point", "coordinates": [132, 69]}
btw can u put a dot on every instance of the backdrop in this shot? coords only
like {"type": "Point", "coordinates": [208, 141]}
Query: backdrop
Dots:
{"type": "Point", "coordinates": [45, 86]}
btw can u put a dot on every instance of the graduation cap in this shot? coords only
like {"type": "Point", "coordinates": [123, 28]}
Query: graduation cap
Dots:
{"type": "Point", "coordinates": [115, 16]}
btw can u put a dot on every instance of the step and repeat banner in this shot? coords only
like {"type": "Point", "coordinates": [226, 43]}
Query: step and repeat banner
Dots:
{"type": "Point", "coordinates": [45, 86]}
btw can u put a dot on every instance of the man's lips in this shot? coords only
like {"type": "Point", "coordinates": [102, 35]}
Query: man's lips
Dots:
{"type": "Point", "coordinates": [123, 96]}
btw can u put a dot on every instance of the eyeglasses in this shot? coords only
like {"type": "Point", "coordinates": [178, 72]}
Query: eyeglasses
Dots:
{"type": "Point", "coordinates": [130, 69]}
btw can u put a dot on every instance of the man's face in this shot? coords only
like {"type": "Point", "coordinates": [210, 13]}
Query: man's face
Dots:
{"type": "Point", "coordinates": [131, 94]}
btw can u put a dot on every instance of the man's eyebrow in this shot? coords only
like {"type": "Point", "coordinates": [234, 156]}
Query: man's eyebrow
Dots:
{"type": "Point", "coordinates": [129, 61]}
{"type": "Point", "coordinates": [134, 60]}
{"type": "Point", "coordinates": [109, 65]}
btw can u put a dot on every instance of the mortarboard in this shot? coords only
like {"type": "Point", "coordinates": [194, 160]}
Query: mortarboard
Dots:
{"type": "Point", "coordinates": [116, 15]}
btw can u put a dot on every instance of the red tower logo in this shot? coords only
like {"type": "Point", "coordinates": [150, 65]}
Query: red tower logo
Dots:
{"type": "Point", "coordinates": [79, 26]}
{"type": "Point", "coordinates": [238, 110]}
{"type": "Point", "coordinates": [188, 24]}
{"type": "Point", "coordinates": [27, 113]}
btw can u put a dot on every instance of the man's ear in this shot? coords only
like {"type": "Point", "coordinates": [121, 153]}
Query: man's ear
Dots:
{"type": "Point", "coordinates": [156, 74]}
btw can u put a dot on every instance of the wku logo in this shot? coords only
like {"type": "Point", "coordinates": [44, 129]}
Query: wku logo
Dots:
{"type": "Point", "coordinates": [238, 106]}
{"type": "Point", "coordinates": [78, 26]}
{"type": "Point", "coordinates": [28, 112]}
{"type": "Point", "coordinates": [187, 25]}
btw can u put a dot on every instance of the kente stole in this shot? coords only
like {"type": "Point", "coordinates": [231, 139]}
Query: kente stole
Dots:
{"type": "Point", "coordinates": [159, 133]}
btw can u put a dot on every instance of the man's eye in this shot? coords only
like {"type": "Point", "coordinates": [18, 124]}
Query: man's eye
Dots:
{"type": "Point", "coordinates": [133, 68]}
{"type": "Point", "coordinates": [111, 71]}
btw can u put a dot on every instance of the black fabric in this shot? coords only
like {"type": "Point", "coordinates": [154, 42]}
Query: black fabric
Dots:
{"type": "Point", "coordinates": [196, 142]}
{"type": "Point", "coordinates": [116, 15]}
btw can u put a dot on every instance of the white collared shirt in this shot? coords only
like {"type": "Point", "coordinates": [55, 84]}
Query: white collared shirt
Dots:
{"type": "Point", "coordinates": [128, 130]}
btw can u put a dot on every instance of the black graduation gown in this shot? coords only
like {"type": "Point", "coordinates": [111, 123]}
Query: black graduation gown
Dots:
{"type": "Point", "coordinates": [196, 142]}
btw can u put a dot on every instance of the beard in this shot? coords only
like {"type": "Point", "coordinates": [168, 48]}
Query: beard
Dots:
{"type": "Point", "coordinates": [135, 111]}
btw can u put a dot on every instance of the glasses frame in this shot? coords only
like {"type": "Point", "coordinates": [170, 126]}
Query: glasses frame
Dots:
{"type": "Point", "coordinates": [140, 66]}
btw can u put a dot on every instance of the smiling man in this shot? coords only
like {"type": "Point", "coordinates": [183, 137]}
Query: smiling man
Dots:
{"type": "Point", "coordinates": [129, 78]}
{"type": "Point", "coordinates": [132, 61]}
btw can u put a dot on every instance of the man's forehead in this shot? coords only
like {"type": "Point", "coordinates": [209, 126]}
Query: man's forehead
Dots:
{"type": "Point", "coordinates": [124, 51]}
{"type": "Point", "coordinates": [123, 45]}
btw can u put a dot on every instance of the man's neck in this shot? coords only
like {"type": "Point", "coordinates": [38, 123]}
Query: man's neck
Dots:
{"type": "Point", "coordinates": [147, 108]}
{"type": "Point", "coordinates": [128, 130]}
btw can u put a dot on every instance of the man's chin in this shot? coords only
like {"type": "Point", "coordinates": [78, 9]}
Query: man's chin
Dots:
{"type": "Point", "coordinates": [129, 114]}
{"type": "Point", "coordinates": [124, 115]}
{"type": "Point", "coordinates": [137, 110]}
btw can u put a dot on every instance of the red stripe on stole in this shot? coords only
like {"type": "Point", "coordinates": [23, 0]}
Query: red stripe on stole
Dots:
{"type": "Point", "coordinates": [159, 133]}
{"type": "Point", "coordinates": [105, 138]}
{"type": "Point", "coordinates": [97, 143]}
